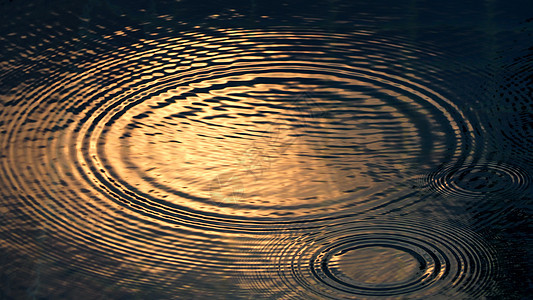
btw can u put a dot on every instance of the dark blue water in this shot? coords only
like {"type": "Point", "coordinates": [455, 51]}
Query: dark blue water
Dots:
{"type": "Point", "coordinates": [258, 150]}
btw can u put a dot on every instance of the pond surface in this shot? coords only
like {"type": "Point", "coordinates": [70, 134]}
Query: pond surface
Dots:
{"type": "Point", "coordinates": [251, 150]}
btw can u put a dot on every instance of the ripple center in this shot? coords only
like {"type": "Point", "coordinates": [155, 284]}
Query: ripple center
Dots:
{"type": "Point", "coordinates": [374, 265]}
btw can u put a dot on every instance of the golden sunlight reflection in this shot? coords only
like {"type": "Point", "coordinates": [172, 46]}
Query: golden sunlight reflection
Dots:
{"type": "Point", "coordinates": [251, 148]}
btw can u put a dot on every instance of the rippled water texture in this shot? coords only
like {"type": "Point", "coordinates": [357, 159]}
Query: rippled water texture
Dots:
{"type": "Point", "coordinates": [185, 150]}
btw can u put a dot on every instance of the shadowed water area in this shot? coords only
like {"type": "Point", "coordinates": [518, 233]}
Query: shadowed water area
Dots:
{"type": "Point", "coordinates": [258, 150]}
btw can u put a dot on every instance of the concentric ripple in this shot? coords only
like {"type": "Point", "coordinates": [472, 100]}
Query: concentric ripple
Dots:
{"type": "Point", "coordinates": [478, 181]}
{"type": "Point", "coordinates": [227, 126]}
{"type": "Point", "coordinates": [484, 188]}
{"type": "Point", "coordinates": [396, 259]}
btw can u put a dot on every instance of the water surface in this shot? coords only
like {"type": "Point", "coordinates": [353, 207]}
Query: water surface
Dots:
{"type": "Point", "coordinates": [178, 150]}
